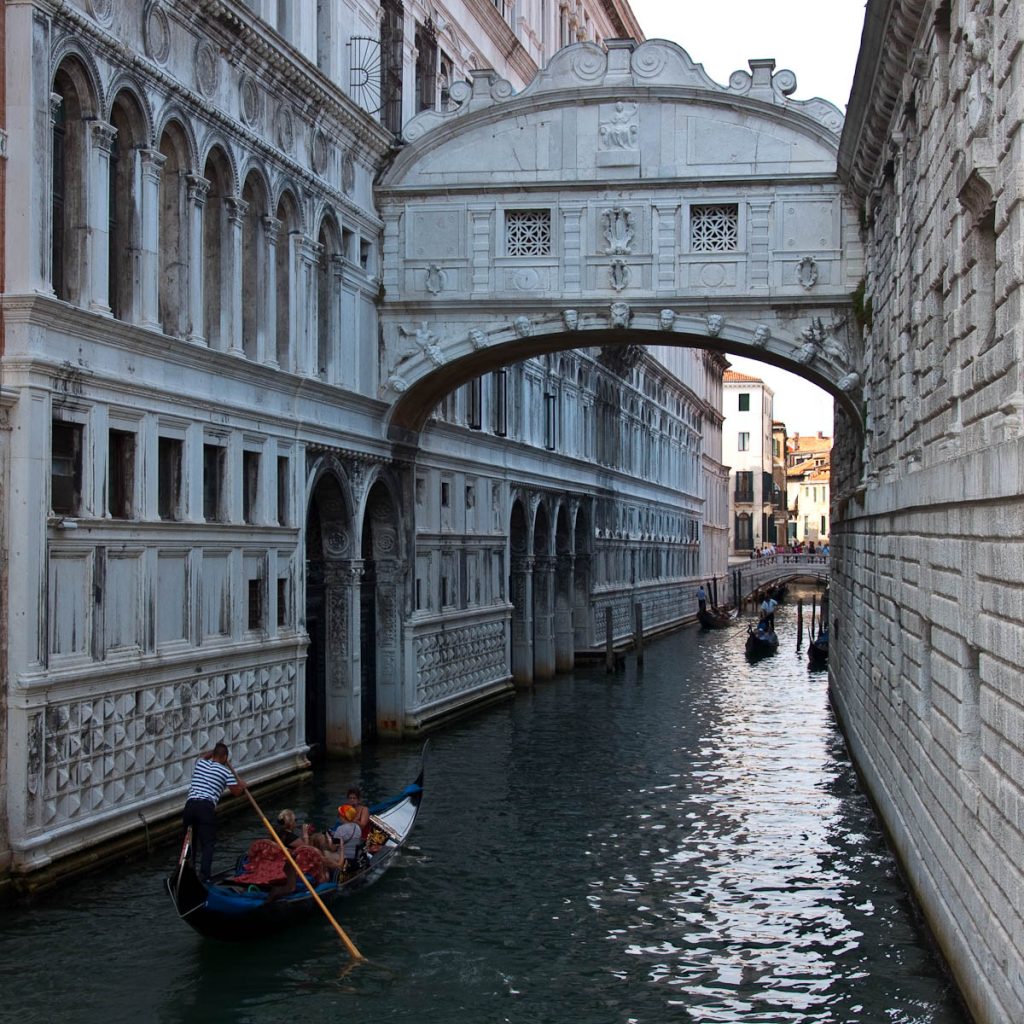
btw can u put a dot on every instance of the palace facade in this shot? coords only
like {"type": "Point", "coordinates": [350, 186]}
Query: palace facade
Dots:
{"type": "Point", "coordinates": [207, 531]}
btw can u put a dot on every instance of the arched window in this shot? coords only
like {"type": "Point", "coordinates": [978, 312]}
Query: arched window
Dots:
{"type": "Point", "coordinates": [287, 214]}
{"type": "Point", "coordinates": [123, 213]}
{"type": "Point", "coordinates": [71, 106]}
{"type": "Point", "coordinates": [215, 250]}
{"type": "Point", "coordinates": [328, 320]}
{"type": "Point", "coordinates": [254, 267]}
{"type": "Point", "coordinates": [173, 246]}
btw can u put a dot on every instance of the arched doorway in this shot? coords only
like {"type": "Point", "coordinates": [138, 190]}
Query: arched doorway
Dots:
{"type": "Point", "coordinates": [543, 597]}
{"type": "Point", "coordinates": [380, 605]}
{"type": "Point", "coordinates": [565, 651]}
{"type": "Point", "coordinates": [521, 596]}
{"type": "Point", "coordinates": [331, 606]}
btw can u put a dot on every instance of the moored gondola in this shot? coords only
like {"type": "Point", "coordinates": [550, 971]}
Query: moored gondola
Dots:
{"type": "Point", "coordinates": [716, 619]}
{"type": "Point", "coordinates": [229, 910]}
{"type": "Point", "coordinates": [817, 650]}
{"type": "Point", "coordinates": [761, 641]}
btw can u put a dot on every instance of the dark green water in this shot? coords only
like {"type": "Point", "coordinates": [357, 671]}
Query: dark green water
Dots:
{"type": "Point", "coordinates": [687, 844]}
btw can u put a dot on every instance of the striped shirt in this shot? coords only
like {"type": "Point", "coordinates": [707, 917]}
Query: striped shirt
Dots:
{"type": "Point", "coordinates": [209, 780]}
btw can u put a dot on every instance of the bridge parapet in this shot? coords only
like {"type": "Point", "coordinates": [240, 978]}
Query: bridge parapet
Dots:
{"type": "Point", "coordinates": [780, 568]}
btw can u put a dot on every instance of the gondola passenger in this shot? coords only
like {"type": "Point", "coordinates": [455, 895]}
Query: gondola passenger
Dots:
{"type": "Point", "coordinates": [349, 837]}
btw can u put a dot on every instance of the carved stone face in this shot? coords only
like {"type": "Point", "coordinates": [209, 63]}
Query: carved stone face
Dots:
{"type": "Point", "coordinates": [619, 312]}
{"type": "Point", "coordinates": [522, 326]}
{"type": "Point", "coordinates": [715, 324]}
{"type": "Point", "coordinates": [850, 382]}
{"type": "Point", "coordinates": [477, 338]}
{"type": "Point", "coordinates": [761, 336]}
{"type": "Point", "coordinates": [666, 318]}
{"type": "Point", "coordinates": [571, 319]}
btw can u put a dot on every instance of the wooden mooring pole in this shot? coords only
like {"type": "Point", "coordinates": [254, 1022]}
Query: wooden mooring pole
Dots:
{"type": "Point", "coordinates": [609, 641]}
{"type": "Point", "coordinates": [814, 610]}
{"type": "Point", "coordinates": [799, 623]}
{"type": "Point", "coordinates": [638, 631]}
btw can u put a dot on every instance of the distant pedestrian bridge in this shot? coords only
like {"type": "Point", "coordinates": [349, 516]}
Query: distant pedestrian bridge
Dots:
{"type": "Point", "coordinates": [772, 570]}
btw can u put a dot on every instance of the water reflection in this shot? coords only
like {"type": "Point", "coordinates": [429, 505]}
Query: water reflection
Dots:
{"type": "Point", "coordinates": [685, 843]}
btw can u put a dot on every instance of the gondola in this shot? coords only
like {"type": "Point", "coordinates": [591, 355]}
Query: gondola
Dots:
{"type": "Point", "coordinates": [761, 642]}
{"type": "Point", "coordinates": [232, 911]}
{"type": "Point", "coordinates": [715, 619]}
{"type": "Point", "coordinates": [817, 650]}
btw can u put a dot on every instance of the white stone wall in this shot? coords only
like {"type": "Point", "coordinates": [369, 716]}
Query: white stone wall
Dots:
{"type": "Point", "coordinates": [928, 591]}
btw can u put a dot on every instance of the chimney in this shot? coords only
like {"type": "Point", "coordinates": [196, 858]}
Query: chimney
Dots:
{"type": "Point", "coordinates": [821, 436]}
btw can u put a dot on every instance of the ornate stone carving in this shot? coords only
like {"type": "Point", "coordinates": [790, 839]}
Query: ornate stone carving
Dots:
{"type": "Point", "coordinates": [101, 10]}
{"type": "Point", "coordinates": [619, 315]}
{"type": "Point", "coordinates": [156, 33]}
{"type": "Point", "coordinates": [570, 319]}
{"type": "Point", "coordinates": [618, 231]}
{"type": "Point", "coordinates": [667, 319]}
{"type": "Point", "coordinates": [250, 101]}
{"type": "Point", "coordinates": [849, 382]}
{"type": "Point", "coordinates": [423, 340]}
{"type": "Point", "coordinates": [207, 62]}
{"type": "Point", "coordinates": [715, 322]}
{"type": "Point", "coordinates": [762, 335]}
{"type": "Point", "coordinates": [807, 273]}
{"type": "Point", "coordinates": [397, 383]}
{"type": "Point", "coordinates": [978, 51]}
{"type": "Point", "coordinates": [619, 274]}
{"type": "Point", "coordinates": [522, 326]}
{"type": "Point", "coordinates": [319, 151]}
{"type": "Point", "coordinates": [435, 280]}
{"type": "Point", "coordinates": [198, 189]}
{"type": "Point", "coordinates": [477, 338]}
{"type": "Point", "coordinates": [622, 129]}
{"type": "Point", "coordinates": [285, 124]}
{"type": "Point", "coordinates": [348, 173]}
{"type": "Point", "coordinates": [813, 335]}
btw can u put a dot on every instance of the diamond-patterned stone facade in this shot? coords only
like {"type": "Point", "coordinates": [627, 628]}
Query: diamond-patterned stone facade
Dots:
{"type": "Point", "coordinates": [459, 660]}
{"type": "Point", "coordinates": [95, 753]}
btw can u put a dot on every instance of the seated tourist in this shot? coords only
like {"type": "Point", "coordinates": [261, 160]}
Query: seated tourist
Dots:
{"type": "Point", "coordinates": [349, 837]}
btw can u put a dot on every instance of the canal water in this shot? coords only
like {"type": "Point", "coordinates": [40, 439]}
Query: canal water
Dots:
{"type": "Point", "coordinates": [685, 843]}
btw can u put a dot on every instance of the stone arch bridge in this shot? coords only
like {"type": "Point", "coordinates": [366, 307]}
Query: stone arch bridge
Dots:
{"type": "Point", "coordinates": [623, 198]}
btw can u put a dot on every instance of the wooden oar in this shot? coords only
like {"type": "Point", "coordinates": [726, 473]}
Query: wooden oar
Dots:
{"type": "Point", "coordinates": [349, 944]}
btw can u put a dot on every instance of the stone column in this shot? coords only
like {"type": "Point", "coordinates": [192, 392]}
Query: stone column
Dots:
{"type": "Point", "coordinates": [581, 617]}
{"type": "Point", "coordinates": [267, 332]}
{"type": "Point", "coordinates": [759, 244]}
{"type": "Point", "coordinates": [390, 574]}
{"type": "Point", "coordinates": [306, 307]}
{"type": "Point", "coordinates": [543, 616]}
{"type": "Point", "coordinates": [522, 619]}
{"type": "Point", "coordinates": [341, 654]}
{"type": "Point", "coordinates": [231, 315]}
{"type": "Point", "coordinates": [342, 366]}
{"type": "Point", "coordinates": [96, 273]}
{"type": "Point", "coordinates": [198, 190]}
{"type": "Point", "coordinates": [481, 219]}
{"type": "Point", "coordinates": [151, 163]}
{"type": "Point", "coordinates": [565, 650]}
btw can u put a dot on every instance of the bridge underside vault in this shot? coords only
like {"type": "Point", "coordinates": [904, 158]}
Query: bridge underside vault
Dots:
{"type": "Point", "coordinates": [622, 198]}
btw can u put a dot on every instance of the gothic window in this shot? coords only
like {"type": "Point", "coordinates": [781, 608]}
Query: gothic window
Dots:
{"type": "Point", "coordinates": [714, 228]}
{"type": "Point", "coordinates": [391, 42]}
{"type": "Point", "coordinates": [426, 66]}
{"type": "Point", "coordinates": [68, 197]}
{"type": "Point", "coordinates": [173, 251]}
{"type": "Point", "coordinates": [528, 232]}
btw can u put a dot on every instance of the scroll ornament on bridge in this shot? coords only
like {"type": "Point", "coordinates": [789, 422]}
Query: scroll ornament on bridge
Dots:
{"type": "Point", "coordinates": [618, 231]}
{"type": "Point", "coordinates": [419, 340]}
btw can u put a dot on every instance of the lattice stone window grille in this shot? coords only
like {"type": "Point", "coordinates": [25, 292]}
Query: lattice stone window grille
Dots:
{"type": "Point", "coordinates": [715, 228]}
{"type": "Point", "coordinates": [528, 232]}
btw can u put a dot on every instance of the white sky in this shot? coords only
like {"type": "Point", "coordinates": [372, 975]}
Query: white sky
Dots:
{"type": "Point", "coordinates": [818, 41]}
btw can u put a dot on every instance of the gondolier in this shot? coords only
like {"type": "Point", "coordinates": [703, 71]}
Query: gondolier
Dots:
{"type": "Point", "coordinates": [702, 599]}
{"type": "Point", "coordinates": [210, 777]}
